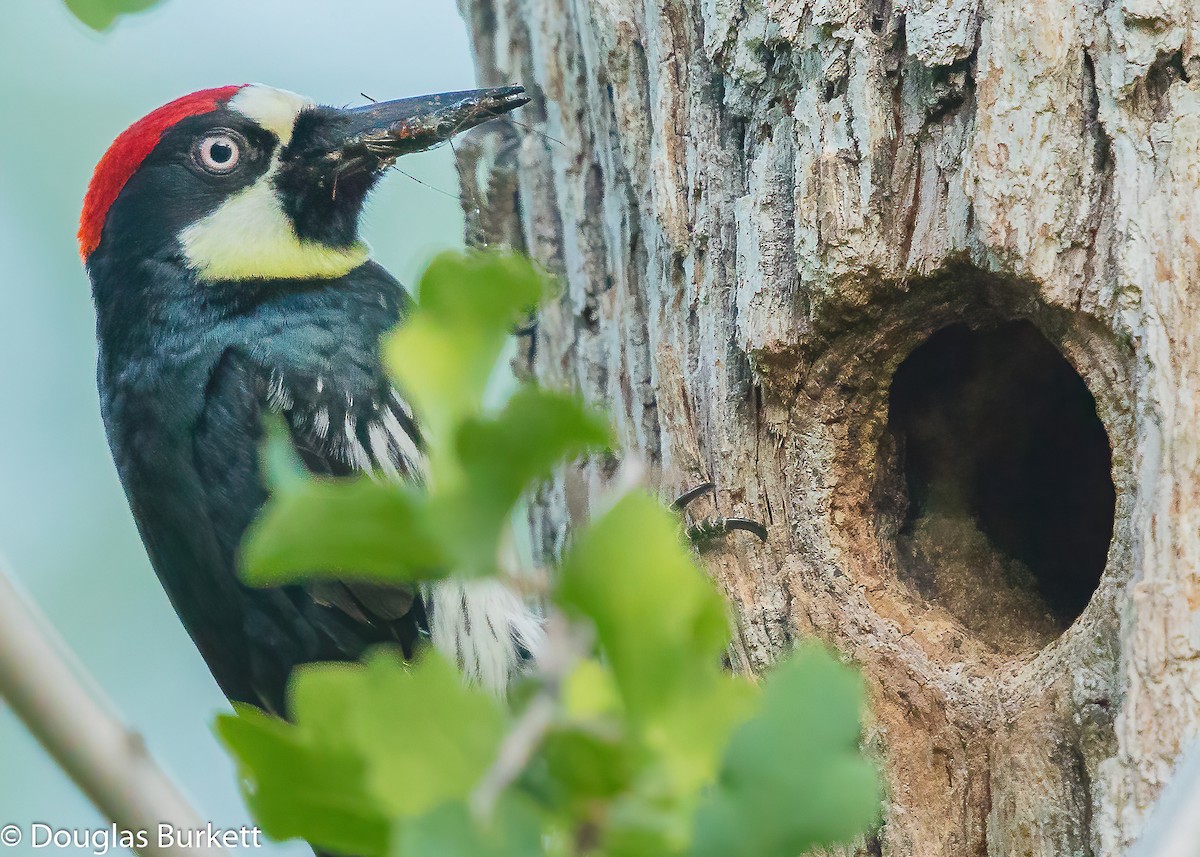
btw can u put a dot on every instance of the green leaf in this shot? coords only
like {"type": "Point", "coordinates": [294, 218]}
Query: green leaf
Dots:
{"type": "Point", "coordinates": [657, 617]}
{"type": "Point", "coordinates": [449, 831]}
{"type": "Point", "coordinates": [662, 625]}
{"type": "Point", "coordinates": [370, 743]}
{"type": "Point", "coordinates": [100, 14]}
{"type": "Point", "coordinates": [587, 766]}
{"type": "Point", "coordinates": [282, 468]}
{"type": "Point", "coordinates": [589, 692]}
{"type": "Point", "coordinates": [446, 352]}
{"type": "Point", "coordinates": [504, 456]}
{"type": "Point", "coordinates": [793, 776]}
{"type": "Point", "coordinates": [641, 825]}
{"type": "Point", "coordinates": [653, 748]}
{"type": "Point", "coordinates": [300, 788]}
{"type": "Point", "coordinates": [431, 738]}
{"type": "Point", "coordinates": [345, 528]}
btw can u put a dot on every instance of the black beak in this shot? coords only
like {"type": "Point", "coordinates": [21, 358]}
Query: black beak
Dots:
{"type": "Point", "coordinates": [389, 129]}
{"type": "Point", "coordinates": [336, 155]}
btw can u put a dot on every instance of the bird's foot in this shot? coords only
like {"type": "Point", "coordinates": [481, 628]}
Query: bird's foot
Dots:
{"type": "Point", "coordinates": [704, 533]}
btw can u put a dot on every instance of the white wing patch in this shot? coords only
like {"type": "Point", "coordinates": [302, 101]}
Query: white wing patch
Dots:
{"type": "Point", "coordinates": [401, 438]}
{"type": "Point", "coordinates": [357, 455]}
{"type": "Point", "coordinates": [321, 423]}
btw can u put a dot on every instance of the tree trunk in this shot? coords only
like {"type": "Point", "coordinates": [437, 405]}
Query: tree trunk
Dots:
{"type": "Point", "coordinates": [761, 212]}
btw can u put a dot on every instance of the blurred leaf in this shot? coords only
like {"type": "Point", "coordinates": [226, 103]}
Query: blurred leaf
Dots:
{"type": "Point", "coordinates": [640, 825]}
{"type": "Point", "coordinates": [446, 352]}
{"type": "Point", "coordinates": [298, 787]}
{"type": "Point", "coordinates": [662, 625]}
{"type": "Point", "coordinates": [370, 743]}
{"type": "Point", "coordinates": [449, 831]}
{"type": "Point", "coordinates": [586, 766]}
{"type": "Point", "coordinates": [653, 749]}
{"type": "Point", "coordinates": [589, 692]}
{"type": "Point", "coordinates": [504, 456]}
{"type": "Point", "coordinates": [347, 528]}
{"type": "Point", "coordinates": [659, 620]}
{"type": "Point", "coordinates": [100, 14]}
{"type": "Point", "coordinates": [793, 776]}
{"type": "Point", "coordinates": [366, 529]}
{"type": "Point", "coordinates": [283, 469]}
{"type": "Point", "coordinates": [431, 737]}
{"type": "Point", "coordinates": [587, 757]}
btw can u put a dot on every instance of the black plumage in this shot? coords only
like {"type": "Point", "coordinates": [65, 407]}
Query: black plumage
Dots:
{"type": "Point", "coordinates": [183, 408]}
{"type": "Point", "coordinates": [264, 184]}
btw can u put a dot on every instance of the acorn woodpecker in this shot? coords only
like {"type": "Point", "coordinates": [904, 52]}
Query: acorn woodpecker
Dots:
{"type": "Point", "coordinates": [220, 233]}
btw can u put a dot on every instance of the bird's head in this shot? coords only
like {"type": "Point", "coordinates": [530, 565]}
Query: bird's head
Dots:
{"type": "Point", "coordinates": [250, 182]}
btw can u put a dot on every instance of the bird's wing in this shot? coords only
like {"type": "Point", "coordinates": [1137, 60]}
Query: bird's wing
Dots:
{"type": "Point", "coordinates": [336, 433]}
{"type": "Point", "coordinates": [484, 626]}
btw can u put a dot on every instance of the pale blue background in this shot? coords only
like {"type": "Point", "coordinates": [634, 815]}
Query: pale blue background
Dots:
{"type": "Point", "coordinates": [64, 94]}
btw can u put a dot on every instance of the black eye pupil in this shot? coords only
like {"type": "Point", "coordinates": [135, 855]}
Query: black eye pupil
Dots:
{"type": "Point", "coordinates": [221, 153]}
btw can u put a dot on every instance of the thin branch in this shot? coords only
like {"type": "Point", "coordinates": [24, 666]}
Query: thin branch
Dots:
{"type": "Point", "coordinates": [518, 748]}
{"type": "Point", "coordinates": [75, 724]}
{"type": "Point", "coordinates": [566, 643]}
{"type": "Point", "coordinates": [564, 646]}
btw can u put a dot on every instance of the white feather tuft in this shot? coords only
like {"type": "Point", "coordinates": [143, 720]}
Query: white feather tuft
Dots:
{"type": "Point", "coordinates": [482, 625]}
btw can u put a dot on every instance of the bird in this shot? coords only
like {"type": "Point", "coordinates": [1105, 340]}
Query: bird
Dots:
{"type": "Point", "coordinates": [220, 233]}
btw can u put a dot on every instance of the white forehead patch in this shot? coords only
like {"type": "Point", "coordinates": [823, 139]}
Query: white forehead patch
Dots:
{"type": "Point", "coordinates": [272, 109]}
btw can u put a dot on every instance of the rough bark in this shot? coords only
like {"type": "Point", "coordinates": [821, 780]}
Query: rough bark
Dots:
{"type": "Point", "coordinates": [758, 208]}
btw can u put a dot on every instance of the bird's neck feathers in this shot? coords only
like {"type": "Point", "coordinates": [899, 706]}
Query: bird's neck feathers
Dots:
{"type": "Point", "coordinates": [161, 311]}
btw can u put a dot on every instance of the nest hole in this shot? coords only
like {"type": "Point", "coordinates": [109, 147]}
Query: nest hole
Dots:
{"type": "Point", "coordinates": [1007, 500]}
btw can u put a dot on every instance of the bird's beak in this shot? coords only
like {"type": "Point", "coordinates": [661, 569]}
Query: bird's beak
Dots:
{"type": "Point", "coordinates": [336, 155]}
{"type": "Point", "coordinates": [389, 129]}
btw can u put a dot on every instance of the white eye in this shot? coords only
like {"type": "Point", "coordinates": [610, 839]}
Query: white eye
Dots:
{"type": "Point", "coordinates": [219, 152]}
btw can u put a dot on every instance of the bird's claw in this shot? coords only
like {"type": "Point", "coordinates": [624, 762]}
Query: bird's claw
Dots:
{"type": "Point", "coordinates": [703, 533]}
{"type": "Point", "coordinates": [688, 497]}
